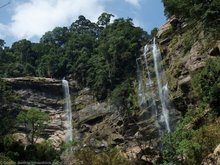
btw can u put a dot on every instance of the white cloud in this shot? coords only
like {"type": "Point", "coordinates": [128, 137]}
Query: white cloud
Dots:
{"type": "Point", "coordinates": [135, 3]}
{"type": "Point", "coordinates": [136, 22]}
{"type": "Point", "coordinates": [35, 17]}
{"type": "Point", "coordinates": [3, 31]}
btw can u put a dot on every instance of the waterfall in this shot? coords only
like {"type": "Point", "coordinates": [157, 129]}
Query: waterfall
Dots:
{"type": "Point", "coordinates": [141, 94]}
{"type": "Point", "coordinates": [149, 82]}
{"type": "Point", "coordinates": [67, 107]}
{"type": "Point", "coordinates": [162, 88]}
{"type": "Point", "coordinates": [153, 87]}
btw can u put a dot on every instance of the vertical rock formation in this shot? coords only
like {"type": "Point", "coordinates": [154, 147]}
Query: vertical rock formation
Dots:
{"type": "Point", "coordinates": [47, 95]}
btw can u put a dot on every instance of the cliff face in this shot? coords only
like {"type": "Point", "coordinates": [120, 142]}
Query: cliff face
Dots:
{"type": "Point", "coordinates": [47, 95]}
{"type": "Point", "coordinates": [96, 124]}
{"type": "Point", "coordinates": [185, 48]}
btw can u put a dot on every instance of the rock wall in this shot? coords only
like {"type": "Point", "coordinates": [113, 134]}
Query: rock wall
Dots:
{"type": "Point", "coordinates": [47, 95]}
{"type": "Point", "coordinates": [185, 48]}
{"type": "Point", "coordinates": [102, 124]}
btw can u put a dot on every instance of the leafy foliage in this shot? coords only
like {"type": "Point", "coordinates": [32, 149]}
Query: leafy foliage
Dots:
{"type": "Point", "coordinates": [4, 159]}
{"type": "Point", "coordinates": [206, 83]}
{"type": "Point", "coordinates": [99, 55]}
{"type": "Point", "coordinates": [6, 115]}
{"type": "Point", "coordinates": [206, 11]}
{"type": "Point", "coordinates": [33, 152]}
{"type": "Point", "coordinates": [34, 121]}
{"type": "Point", "coordinates": [88, 156]}
{"type": "Point", "coordinates": [189, 146]}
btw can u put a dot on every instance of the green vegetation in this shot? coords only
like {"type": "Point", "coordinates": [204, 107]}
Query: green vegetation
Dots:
{"type": "Point", "coordinates": [88, 156]}
{"type": "Point", "coordinates": [6, 115]}
{"type": "Point", "coordinates": [206, 11]}
{"type": "Point", "coordinates": [206, 83]}
{"type": "Point", "coordinates": [195, 137]}
{"type": "Point", "coordinates": [4, 160]}
{"type": "Point", "coordinates": [102, 56]}
{"type": "Point", "coordinates": [12, 150]}
{"type": "Point", "coordinates": [34, 121]}
{"type": "Point", "coordinates": [97, 55]}
{"type": "Point", "coordinates": [197, 134]}
{"type": "Point", "coordinates": [16, 151]}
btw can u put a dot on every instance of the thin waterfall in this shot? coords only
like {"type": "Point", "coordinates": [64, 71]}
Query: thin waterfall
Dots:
{"type": "Point", "coordinates": [153, 87]}
{"type": "Point", "coordinates": [161, 88]}
{"type": "Point", "coordinates": [67, 107]}
{"type": "Point", "coordinates": [141, 93]}
{"type": "Point", "coordinates": [149, 82]}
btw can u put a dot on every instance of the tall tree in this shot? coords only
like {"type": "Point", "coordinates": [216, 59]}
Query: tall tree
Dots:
{"type": "Point", "coordinates": [34, 121]}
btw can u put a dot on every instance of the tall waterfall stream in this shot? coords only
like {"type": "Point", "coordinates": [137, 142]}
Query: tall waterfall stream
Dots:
{"type": "Point", "coordinates": [153, 86]}
{"type": "Point", "coordinates": [67, 107]}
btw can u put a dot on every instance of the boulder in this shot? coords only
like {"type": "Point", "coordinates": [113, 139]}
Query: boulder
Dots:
{"type": "Point", "coordinates": [185, 83]}
{"type": "Point", "coordinates": [143, 154]}
{"type": "Point", "coordinates": [94, 113]}
{"type": "Point", "coordinates": [213, 158]}
{"type": "Point", "coordinates": [215, 51]}
{"type": "Point", "coordinates": [82, 101]}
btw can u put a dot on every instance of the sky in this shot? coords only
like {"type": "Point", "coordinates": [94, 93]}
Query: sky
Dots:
{"type": "Point", "coordinates": [30, 19]}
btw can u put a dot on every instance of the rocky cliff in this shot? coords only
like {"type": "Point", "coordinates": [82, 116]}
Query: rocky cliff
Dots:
{"type": "Point", "coordinates": [96, 124]}
{"type": "Point", "coordinates": [47, 95]}
{"type": "Point", "coordinates": [103, 124]}
{"type": "Point", "coordinates": [185, 48]}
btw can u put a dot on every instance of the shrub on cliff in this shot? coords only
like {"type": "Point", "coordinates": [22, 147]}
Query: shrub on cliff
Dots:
{"type": "Point", "coordinates": [89, 156]}
{"type": "Point", "coordinates": [206, 83]}
{"type": "Point", "coordinates": [34, 122]}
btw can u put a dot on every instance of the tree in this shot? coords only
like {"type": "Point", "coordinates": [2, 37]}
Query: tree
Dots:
{"type": "Point", "coordinates": [6, 115]}
{"type": "Point", "coordinates": [2, 43]}
{"type": "Point", "coordinates": [23, 51]}
{"type": "Point", "coordinates": [104, 19]}
{"type": "Point", "coordinates": [83, 25]}
{"type": "Point", "coordinates": [58, 36]}
{"type": "Point", "coordinates": [34, 122]}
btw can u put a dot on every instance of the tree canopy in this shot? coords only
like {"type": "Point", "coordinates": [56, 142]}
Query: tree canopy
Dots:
{"type": "Point", "coordinates": [207, 11]}
{"type": "Point", "coordinates": [99, 55]}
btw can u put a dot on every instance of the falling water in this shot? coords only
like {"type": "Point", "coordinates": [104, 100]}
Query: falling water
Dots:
{"type": "Point", "coordinates": [149, 83]}
{"type": "Point", "coordinates": [141, 90]}
{"type": "Point", "coordinates": [153, 91]}
{"type": "Point", "coordinates": [163, 90]}
{"type": "Point", "coordinates": [69, 135]}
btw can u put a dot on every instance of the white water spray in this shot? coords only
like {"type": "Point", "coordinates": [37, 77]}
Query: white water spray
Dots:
{"type": "Point", "coordinates": [153, 87]}
{"type": "Point", "coordinates": [162, 88]}
{"type": "Point", "coordinates": [67, 107]}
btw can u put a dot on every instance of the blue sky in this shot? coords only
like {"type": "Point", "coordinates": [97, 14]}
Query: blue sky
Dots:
{"type": "Point", "coordinates": [30, 19]}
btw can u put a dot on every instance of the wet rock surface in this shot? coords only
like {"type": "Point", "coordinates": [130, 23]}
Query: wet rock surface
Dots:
{"type": "Point", "coordinates": [47, 95]}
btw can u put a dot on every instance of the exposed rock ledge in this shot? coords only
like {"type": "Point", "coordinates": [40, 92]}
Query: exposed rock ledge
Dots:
{"type": "Point", "coordinates": [47, 95]}
{"type": "Point", "coordinates": [37, 83]}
